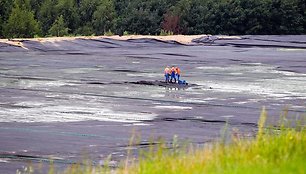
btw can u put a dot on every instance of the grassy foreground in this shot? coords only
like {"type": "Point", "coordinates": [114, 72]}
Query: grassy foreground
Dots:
{"type": "Point", "coordinates": [281, 150]}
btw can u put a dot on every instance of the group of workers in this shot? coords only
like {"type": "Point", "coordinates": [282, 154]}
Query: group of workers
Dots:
{"type": "Point", "coordinates": [171, 74]}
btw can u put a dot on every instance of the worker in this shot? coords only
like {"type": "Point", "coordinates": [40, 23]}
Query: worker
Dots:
{"type": "Point", "coordinates": [173, 73]}
{"type": "Point", "coordinates": [178, 73]}
{"type": "Point", "coordinates": [167, 74]}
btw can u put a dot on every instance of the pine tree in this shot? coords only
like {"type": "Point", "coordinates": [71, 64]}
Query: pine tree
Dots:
{"type": "Point", "coordinates": [21, 22]}
{"type": "Point", "coordinates": [59, 28]}
{"type": "Point", "coordinates": [69, 10]}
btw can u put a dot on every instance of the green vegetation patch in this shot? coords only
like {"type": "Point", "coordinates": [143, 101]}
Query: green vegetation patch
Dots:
{"type": "Point", "coordinates": [274, 150]}
{"type": "Point", "coordinates": [27, 18]}
{"type": "Point", "coordinates": [282, 152]}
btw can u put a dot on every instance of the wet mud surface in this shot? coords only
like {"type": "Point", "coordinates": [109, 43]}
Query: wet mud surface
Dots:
{"type": "Point", "coordinates": [84, 98]}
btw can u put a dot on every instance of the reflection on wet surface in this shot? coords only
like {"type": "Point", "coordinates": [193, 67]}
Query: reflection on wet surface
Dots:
{"type": "Point", "coordinates": [59, 98]}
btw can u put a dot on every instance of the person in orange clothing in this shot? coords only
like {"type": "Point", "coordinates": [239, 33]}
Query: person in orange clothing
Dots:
{"type": "Point", "coordinates": [178, 73]}
{"type": "Point", "coordinates": [167, 74]}
{"type": "Point", "coordinates": [173, 74]}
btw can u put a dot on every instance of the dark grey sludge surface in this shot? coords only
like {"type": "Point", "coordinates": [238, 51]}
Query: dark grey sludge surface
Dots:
{"type": "Point", "coordinates": [75, 99]}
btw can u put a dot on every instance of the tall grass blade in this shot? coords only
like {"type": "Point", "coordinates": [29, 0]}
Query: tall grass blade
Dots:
{"type": "Point", "coordinates": [261, 123]}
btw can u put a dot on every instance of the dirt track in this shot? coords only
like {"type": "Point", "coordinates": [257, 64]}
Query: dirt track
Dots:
{"type": "Point", "coordinates": [62, 99]}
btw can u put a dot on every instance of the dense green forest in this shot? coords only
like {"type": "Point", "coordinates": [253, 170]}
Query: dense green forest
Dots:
{"type": "Point", "coordinates": [39, 18]}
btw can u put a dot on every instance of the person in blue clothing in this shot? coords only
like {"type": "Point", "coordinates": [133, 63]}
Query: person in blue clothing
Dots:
{"type": "Point", "coordinates": [178, 73]}
{"type": "Point", "coordinates": [173, 74]}
{"type": "Point", "coordinates": [167, 74]}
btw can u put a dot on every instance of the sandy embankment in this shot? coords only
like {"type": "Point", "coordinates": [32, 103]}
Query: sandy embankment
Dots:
{"type": "Point", "coordinates": [183, 39]}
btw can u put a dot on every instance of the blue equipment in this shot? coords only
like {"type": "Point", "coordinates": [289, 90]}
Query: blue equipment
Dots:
{"type": "Point", "coordinates": [182, 82]}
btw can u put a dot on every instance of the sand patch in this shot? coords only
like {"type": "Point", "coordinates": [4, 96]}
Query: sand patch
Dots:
{"type": "Point", "coordinates": [183, 39]}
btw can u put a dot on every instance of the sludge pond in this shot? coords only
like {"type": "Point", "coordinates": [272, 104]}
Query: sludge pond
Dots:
{"type": "Point", "coordinates": [59, 100]}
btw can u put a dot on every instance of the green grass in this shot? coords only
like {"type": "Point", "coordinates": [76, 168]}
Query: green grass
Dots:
{"type": "Point", "coordinates": [280, 150]}
{"type": "Point", "coordinates": [282, 153]}
{"type": "Point", "coordinates": [165, 33]}
{"type": "Point", "coordinates": [274, 150]}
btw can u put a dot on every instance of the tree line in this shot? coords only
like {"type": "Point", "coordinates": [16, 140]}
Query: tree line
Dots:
{"type": "Point", "coordinates": [31, 18]}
